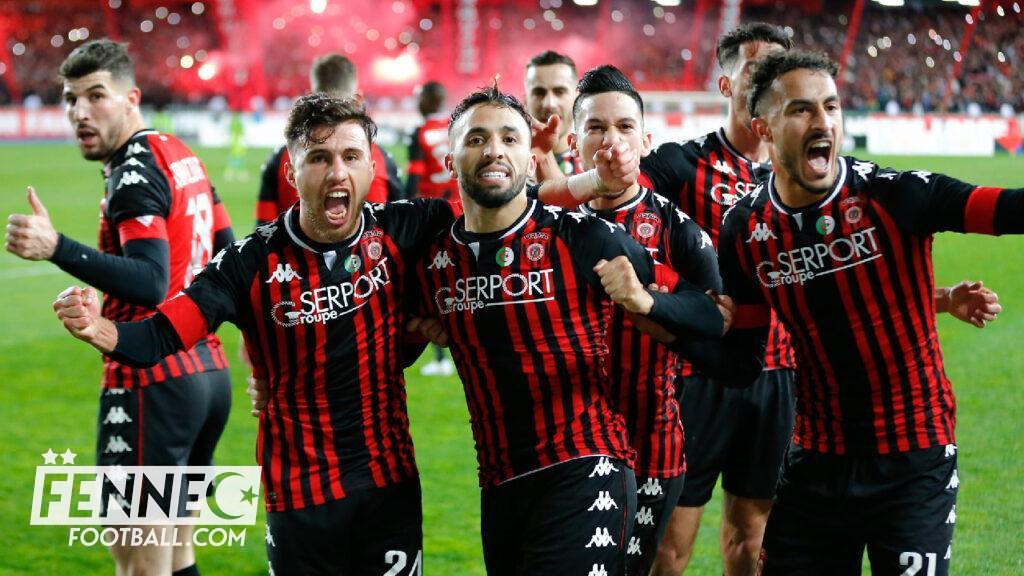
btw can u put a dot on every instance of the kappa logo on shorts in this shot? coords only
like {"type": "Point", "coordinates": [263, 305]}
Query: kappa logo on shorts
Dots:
{"type": "Point", "coordinates": [951, 519]}
{"type": "Point", "coordinates": [633, 549]}
{"type": "Point", "coordinates": [604, 502]}
{"type": "Point", "coordinates": [115, 391]}
{"type": "Point", "coordinates": [645, 516]}
{"type": "Point", "coordinates": [949, 552]}
{"type": "Point", "coordinates": [602, 538]}
{"type": "Point", "coordinates": [652, 487]}
{"type": "Point", "coordinates": [117, 415]}
{"type": "Point", "coordinates": [954, 481]}
{"type": "Point", "coordinates": [604, 467]}
{"type": "Point", "coordinates": [270, 539]}
{"type": "Point", "coordinates": [116, 445]}
{"type": "Point", "coordinates": [598, 570]}
{"type": "Point", "coordinates": [950, 450]}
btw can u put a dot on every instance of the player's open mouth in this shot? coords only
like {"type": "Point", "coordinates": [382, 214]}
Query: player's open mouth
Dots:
{"type": "Point", "coordinates": [494, 175]}
{"type": "Point", "coordinates": [819, 157]}
{"type": "Point", "coordinates": [336, 207]}
{"type": "Point", "coordinates": [87, 136]}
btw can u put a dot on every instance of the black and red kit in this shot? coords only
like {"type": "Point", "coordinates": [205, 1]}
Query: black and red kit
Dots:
{"type": "Point", "coordinates": [427, 175]}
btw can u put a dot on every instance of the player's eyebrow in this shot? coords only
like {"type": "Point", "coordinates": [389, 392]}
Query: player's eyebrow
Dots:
{"type": "Point", "coordinates": [67, 91]}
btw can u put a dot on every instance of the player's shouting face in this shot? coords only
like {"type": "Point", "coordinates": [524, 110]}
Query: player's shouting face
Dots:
{"type": "Point", "coordinates": [332, 174]}
{"type": "Point", "coordinates": [490, 154]}
{"type": "Point", "coordinates": [605, 121]}
{"type": "Point", "coordinates": [98, 106]}
{"type": "Point", "coordinates": [801, 119]}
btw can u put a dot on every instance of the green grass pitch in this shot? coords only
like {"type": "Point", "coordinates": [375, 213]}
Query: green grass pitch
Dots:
{"type": "Point", "coordinates": [49, 389]}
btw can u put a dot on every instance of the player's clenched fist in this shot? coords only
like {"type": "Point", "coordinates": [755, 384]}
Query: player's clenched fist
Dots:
{"type": "Point", "coordinates": [78, 309]}
{"type": "Point", "coordinates": [622, 285]}
{"type": "Point", "coordinates": [31, 236]}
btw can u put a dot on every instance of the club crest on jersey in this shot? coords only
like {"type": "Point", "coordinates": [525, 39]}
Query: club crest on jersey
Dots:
{"type": "Point", "coordinates": [825, 225]}
{"type": "Point", "coordinates": [373, 249]}
{"type": "Point", "coordinates": [646, 226]}
{"type": "Point", "coordinates": [353, 263]}
{"type": "Point", "coordinates": [505, 256]}
{"type": "Point", "coordinates": [534, 252]}
{"type": "Point", "coordinates": [853, 214]}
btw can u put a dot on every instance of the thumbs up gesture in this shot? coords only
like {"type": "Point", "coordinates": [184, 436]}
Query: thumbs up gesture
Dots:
{"type": "Point", "coordinates": [31, 236]}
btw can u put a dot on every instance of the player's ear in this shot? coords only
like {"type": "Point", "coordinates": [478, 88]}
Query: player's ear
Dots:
{"type": "Point", "coordinates": [573, 144]}
{"type": "Point", "coordinates": [134, 97]}
{"type": "Point", "coordinates": [289, 173]}
{"type": "Point", "coordinates": [449, 164]}
{"type": "Point", "coordinates": [532, 167]}
{"type": "Point", "coordinates": [646, 144]}
{"type": "Point", "coordinates": [725, 86]}
{"type": "Point", "coordinates": [761, 129]}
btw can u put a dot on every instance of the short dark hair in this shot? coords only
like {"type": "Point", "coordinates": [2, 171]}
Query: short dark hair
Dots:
{"type": "Point", "coordinates": [490, 96]}
{"type": "Point", "coordinates": [604, 79]}
{"type": "Point", "coordinates": [549, 58]}
{"type": "Point", "coordinates": [432, 97]}
{"type": "Point", "coordinates": [729, 44]}
{"type": "Point", "coordinates": [772, 66]}
{"type": "Point", "coordinates": [314, 111]}
{"type": "Point", "coordinates": [97, 55]}
{"type": "Point", "coordinates": [333, 74]}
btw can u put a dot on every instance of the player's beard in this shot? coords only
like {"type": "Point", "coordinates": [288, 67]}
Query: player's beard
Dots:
{"type": "Point", "coordinates": [486, 196]}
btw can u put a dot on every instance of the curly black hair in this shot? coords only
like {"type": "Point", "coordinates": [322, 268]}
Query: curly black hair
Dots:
{"type": "Point", "coordinates": [491, 96]}
{"type": "Point", "coordinates": [772, 66]}
{"type": "Point", "coordinates": [318, 110]}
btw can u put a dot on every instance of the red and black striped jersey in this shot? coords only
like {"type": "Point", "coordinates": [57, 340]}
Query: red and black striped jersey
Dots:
{"type": "Point", "coordinates": [569, 163]}
{"type": "Point", "coordinates": [277, 194]}
{"type": "Point", "coordinates": [851, 278]}
{"type": "Point", "coordinates": [324, 325]}
{"type": "Point", "coordinates": [642, 370]}
{"type": "Point", "coordinates": [705, 177]}
{"type": "Point", "coordinates": [157, 189]}
{"type": "Point", "coordinates": [427, 176]}
{"type": "Point", "coordinates": [526, 318]}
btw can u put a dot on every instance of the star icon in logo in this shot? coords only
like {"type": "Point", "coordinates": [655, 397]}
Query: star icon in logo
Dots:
{"type": "Point", "coordinates": [49, 457]}
{"type": "Point", "coordinates": [68, 457]}
{"type": "Point", "coordinates": [248, 495]}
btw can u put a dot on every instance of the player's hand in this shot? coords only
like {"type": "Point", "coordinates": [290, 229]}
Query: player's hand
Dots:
{"type": "Point", "coordinates": [618, 168]}
{"type": "Point", "coordinates": [79, 310]}
{"type": "Point", "coordinates": [259, 393]}
{"type": "Point", "coordinates": [544, 135]}
{"type": "Point", "coordinates": [971, 302]}
{"type": "Point", "coordinates": [430, 328]}
{"type": "Point", "coordinates": [726, 307]}
{"type": "Point", "coordinates": [623, 287]}
{"type": "Point", "coordinates": [31, 236]}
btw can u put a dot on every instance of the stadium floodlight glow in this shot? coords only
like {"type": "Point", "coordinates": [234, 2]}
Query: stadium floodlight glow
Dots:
{"type": "Point", "coordinates": [667, 2]}
{"type": "Point", "coordinates": [207, 71]}
{"type": "Point", "coordinates": [585, 2]}
{"type": "Point", "coordinates": [970, 2]}
{"type": "Point", "coordinates": [890, 2]}
{"type": "Point", "coordinates": [317, 6]}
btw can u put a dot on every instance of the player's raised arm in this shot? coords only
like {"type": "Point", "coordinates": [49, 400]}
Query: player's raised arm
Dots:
{"type": "Point", "coordinates": [608, 255]}
{"type": "Point", "coordinates": [617, 168]}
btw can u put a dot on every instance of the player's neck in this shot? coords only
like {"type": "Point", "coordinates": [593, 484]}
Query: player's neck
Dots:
{"type": "Point", "coordinates": [133, 124]}
{"type": "Point", "coordinates": [481, 220]}
{"type": "Point", "coordinates": [744, 141]}
{"type": "Point", "coordinates": [601, 203]}
{"type": "Point", "coordinates": [793, 194]}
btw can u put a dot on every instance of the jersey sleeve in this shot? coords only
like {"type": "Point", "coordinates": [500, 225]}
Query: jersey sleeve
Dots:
{"type": "Point", "coordinates": [266, 202]}
{"type": "Point", "coordinates": [925, 203]}
{"type": "Point", "coordinates": [691, 252]}
{"type": "Point", "coordinates": [687, 312]}
{"type": "Point", "coordinates": [216, 295]}
{"type": "Point", "coordinates": [413, 223]}
{"type": "Point", "coordinates": [139, 201]}
{"type": "Point", "coordinates": [660, 170]}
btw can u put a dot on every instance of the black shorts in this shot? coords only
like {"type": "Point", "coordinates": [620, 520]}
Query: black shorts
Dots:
{"type": "Point", "coordinates": [570, 518]}
{"type": "Point", "coordinates": [741, 434]}
{"type": "Point", "coordinates": [368, 532]}
{"type": "Point", "coordinates": [902, 507]}
{"type": "Point", "coordinates": [655, 500]}
{"type": "Point", "coordinates": [173, 423]}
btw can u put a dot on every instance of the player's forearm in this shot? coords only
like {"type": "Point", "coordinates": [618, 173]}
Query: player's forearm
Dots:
{"type": "Point", "coordinates": [942, 301]}
{"type": "Point", "coordinates": [688, 314]}
{"type": "Point", "coordinates": [735, 361]}
{"type": "Point", "coordinates": [141, 344]}
{"type": "Point", "coordinates": [572, 191]}
{"type": "Point", "coordinates": [139, 279]}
